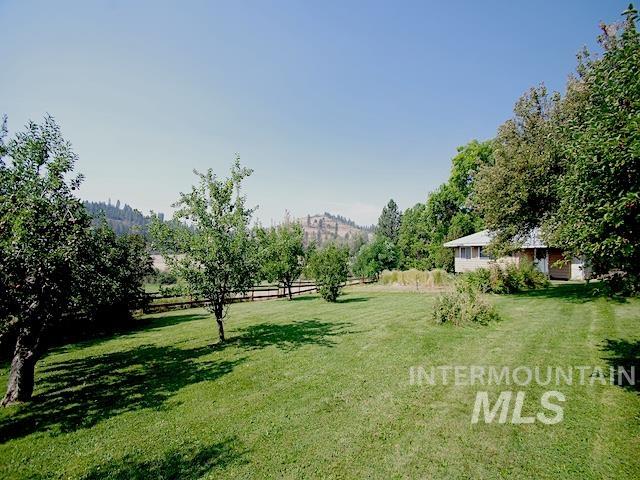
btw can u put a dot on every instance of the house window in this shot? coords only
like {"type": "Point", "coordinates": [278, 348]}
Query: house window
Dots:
{"type": "Point", "coordinates": [465, 252]}
{"type": "Point", "coordinates": [483, 253]}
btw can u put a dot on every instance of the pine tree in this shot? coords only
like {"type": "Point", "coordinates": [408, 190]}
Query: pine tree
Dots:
{"type": "Point", "coordinates": [389, 222]}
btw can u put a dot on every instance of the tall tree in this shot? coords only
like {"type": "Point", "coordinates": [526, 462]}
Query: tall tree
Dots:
{"type": "Point", "coordinates": [570, 164]}
{"type": "Point", "coordinates": [516, 192]}
{"type": "Point", "coordinates": [282, 253]}
{"type": "Point", "coordinates": [414, 237]}
{"type": "Point", "coordinates": [42, 229]}
{"type": "Point", "coordinates": [210, 243]}
{"type": "Point", "coordinates": [598, 213]}
{"type": "Point", "coordinates": [447, 213]}
{"type": "Point", "coordinates": [389, 222]}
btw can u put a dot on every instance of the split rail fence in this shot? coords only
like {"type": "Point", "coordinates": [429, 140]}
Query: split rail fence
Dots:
{"type": "Point", "coordinates": [158, 302]}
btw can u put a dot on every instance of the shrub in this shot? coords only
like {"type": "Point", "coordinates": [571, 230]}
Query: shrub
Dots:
{"type": "Point", "coordinates": [508, 279]}
{"type": "Point", "coordinates": [330, 269]}
{"type": "Point", "coordinates": [461, 307]}
{"type": "Point", "coordinates": [166, 278]}
{"type": "Point", "coordinates": [478, 280]}
{"type": "Point", "coordinates": [511, 278]}
{"type": "Point", "coordinates": [531, 277]}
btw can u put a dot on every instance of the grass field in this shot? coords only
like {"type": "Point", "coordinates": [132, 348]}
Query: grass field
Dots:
{"type": "Point", "coordinates": [310, 389]}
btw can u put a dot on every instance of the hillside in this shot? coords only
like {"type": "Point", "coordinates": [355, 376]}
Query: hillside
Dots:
{"type": "Point", "coordinates": [321, 228]}
{"type": "Point", "coordinates": [123, 219]}
{"type": "Point", "coordinates": [328, 227]}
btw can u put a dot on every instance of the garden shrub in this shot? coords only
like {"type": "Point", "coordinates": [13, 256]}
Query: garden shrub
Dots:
{"type": "Point", "coordinates": [478, 280]}
{"type": "Point", "coordinates": [509, 279]}
{"type": "Point", "coordinates": [531, 277]}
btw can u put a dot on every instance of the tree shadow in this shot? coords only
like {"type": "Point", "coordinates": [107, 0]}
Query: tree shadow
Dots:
{"type": "Point", "coordinates": [80, 393]}
{"type": "Point", "coordinates": [623, 354]}
{"type": "Point", "coordinates": [148, 324]}
{"type": "Point", "coordinates": [155, 323]}
{"type": "Point", "coordinates": [571, 292]}
{"type": "Point", "coordinates": [186, 464]}
{"type": "Point", "coordinates": [289, 336]}
{"type": "Point", "coordinates": [305, 297]}
{"type": "Point", "coordinates": [352, 300]}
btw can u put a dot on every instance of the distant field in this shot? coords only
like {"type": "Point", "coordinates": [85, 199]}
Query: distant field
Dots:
{"type": "Point", "coordinates": [310, 389]}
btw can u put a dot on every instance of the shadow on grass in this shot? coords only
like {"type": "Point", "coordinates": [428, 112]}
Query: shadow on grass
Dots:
{"type": "Point", "coordinates": [138, 325]}
{"type": "Point", "coordinates": [571, 292]}
{"type": "Point", "coordinates": [154, 323]}
{"type": "Point", "coordinates": [305, 297]}
{"type": "Point", "coordinates": [352, 300]}
{"type": "Point", "coordinates": [624, 354]}
{"type": "Point", "coordinates": [187, 464]}
{"type": "Point", "coordinates": [288, 336]}
{"type": "Point", "coordinates": [80, 393]}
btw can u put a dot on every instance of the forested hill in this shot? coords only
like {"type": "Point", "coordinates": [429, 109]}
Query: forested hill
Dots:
{"type": "Point", "coordinates": [334, 228]}
{"type": "Point", "coordinates": [122, 218]}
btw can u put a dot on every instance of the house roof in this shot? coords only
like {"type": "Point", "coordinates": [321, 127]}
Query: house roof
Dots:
{"type": "Point", "coordinates": [484, 237]}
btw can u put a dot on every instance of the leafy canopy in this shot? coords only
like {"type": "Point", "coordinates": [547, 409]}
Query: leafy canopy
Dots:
{"type": "Point", "coordinates": [282, 253]}
{"type": "Point", "coordinates": [447, 213]}
{"type": "Point", "coordinates": [375, 257]}
{"type": "Point", "coordinates": [571, 164]}
{"type": "Point", "coordinates": [329, 267]}
{"type": "Point", "coordinates": [210, 243]}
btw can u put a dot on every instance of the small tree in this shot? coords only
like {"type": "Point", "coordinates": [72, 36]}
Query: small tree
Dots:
{"type": "Point", "coordinates": [329, 267]}
{"type": "Point", "coordinates": [282, 253]}
{"type": "Point", "coordinates": [209, 244]}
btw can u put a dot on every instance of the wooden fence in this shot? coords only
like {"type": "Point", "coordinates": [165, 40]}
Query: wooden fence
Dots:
{"type": "Point", "coordinates": [160, 303]}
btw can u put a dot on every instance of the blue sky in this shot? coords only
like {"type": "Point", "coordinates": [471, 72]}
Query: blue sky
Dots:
{"type": "Point", "coordinates": [337, 106]}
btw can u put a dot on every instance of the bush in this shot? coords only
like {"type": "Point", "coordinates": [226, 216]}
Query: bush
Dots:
{"type": "Point", "coordinates": [329, 267]}
{"type": "Point", "coordinates": [618, 284]}
{"type": "Point", "coordinates": [461, 307]}
{"type": "Point", "coordinates": [167, 278]}
{"type": "Point", "coordinates": [531, 277]}
{"type": "Point", "coordinates": [510, 279]}
{"type": "Point", "coordinates": [478, 280]}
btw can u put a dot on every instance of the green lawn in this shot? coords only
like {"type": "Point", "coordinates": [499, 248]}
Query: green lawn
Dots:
{"type": "Point", "coordinates": [310, 389]}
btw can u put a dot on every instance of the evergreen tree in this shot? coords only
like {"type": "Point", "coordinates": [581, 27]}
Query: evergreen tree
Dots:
{"type": "Point", "coordinates": [389, 222]}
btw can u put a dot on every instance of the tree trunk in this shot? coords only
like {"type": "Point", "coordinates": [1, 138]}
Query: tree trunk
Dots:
{"type": "Point", "coordinates": [289, 288]}
{"type": "Point", "coordinates": [220, 322]}
{"type": "Point", "coordinates": [22, 373]}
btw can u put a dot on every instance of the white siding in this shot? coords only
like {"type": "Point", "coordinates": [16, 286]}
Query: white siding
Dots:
{"type": "Point", "coordinates": [471, 264]}
{"type": "Point", "coordinates": [462, 264]}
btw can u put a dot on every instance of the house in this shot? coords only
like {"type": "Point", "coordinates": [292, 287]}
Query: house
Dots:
{"type": "Point", "coordinates": [470, 254]}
